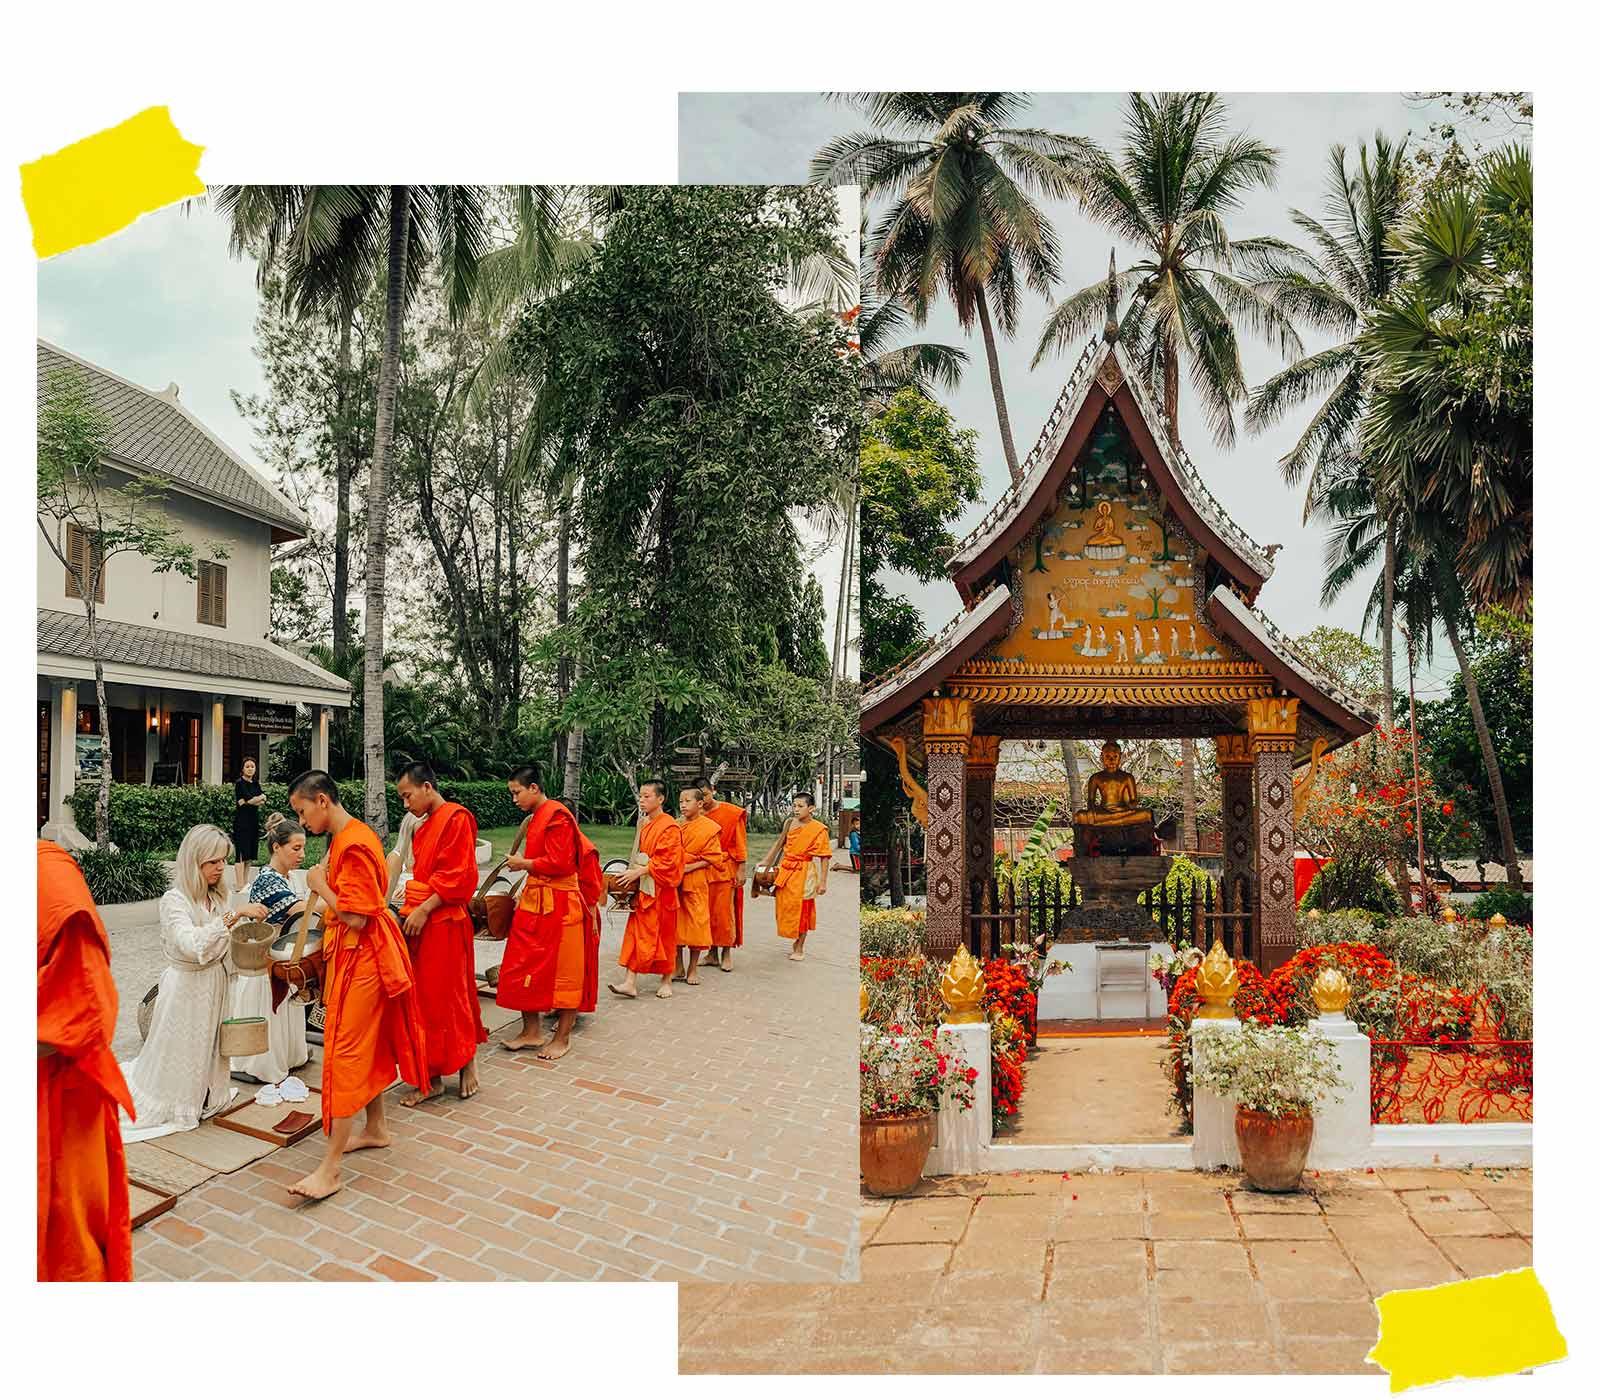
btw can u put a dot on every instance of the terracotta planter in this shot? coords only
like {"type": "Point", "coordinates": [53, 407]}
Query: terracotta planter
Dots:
{"type": "Point", "coordinates": [1273, 1150]}
{"type": "Point", "coordinates": [894, 1151]}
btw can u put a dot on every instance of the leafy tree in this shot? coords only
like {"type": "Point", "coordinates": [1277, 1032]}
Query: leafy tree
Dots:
{"type": "Point", "coordinates": [78, 491]}
{"type": "Point", "coordinates": [962, 217]}
{"type": "Point", "coordinates": [1355, 664]}
{"type": "Point", "coordinates": [1178, 178]}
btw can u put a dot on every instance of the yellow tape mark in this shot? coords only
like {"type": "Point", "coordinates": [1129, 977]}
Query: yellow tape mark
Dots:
{"type": "Point", "coordinates": [89, 190]}
{"type": "Point", "coordinates": [1479, 1327]}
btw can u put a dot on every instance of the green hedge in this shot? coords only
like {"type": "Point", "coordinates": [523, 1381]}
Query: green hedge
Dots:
{"type": "Point", "coordinates": [156, 818]}
{"type": "Point", "coordinates": [122, 877]}
{"type": "Point", "coordinates": [1502, 899]}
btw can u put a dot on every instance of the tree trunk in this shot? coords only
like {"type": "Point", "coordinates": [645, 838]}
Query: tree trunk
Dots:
{"type": "Point", "coordinates": [572, 776]}
{"type": "Point", "coordinates": [897, 884]}
{"type": "Point", "coordinates": [377, 813]}
{"type": "Point", "coordinates": [564, 663]}
{"type": "Point", "coordinates": [102, 800]}
{"type": "Point", "coordinates": [342, 473]}
{"type": "Point", "coordinates": [1491, 762]}
{"type": "Point", "coordinates": [1169, 388]}
{"type": "Point", "coordinates": [999, 389]}
{"type": "Point", "coordinates": [1191, 831]}
{"type": "Point", "coordinates": [1069, 756]}
{"type": "Point", "coordinates": [1388, 622]}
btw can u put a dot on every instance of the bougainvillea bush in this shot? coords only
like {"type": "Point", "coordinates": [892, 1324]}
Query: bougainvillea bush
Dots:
{"type": "Point", "coordinates": [906, 1071]}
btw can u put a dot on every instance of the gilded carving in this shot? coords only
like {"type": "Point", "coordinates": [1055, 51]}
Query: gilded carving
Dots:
{"type": "Point", "coordinates": [1304, 783]}
{"type": "Point", "coordinates": [983, 751]}
{"type": "Point", "coordinates": [1273, 722]}
{"type": "Point", "coordinates": [1109, 375]}
{"type": "Point", "coordinates": [909, 785]}
{"type": "Point", "coordinates": [946, 725]}
{"type": "Point", "coordinates": [1233, 750]}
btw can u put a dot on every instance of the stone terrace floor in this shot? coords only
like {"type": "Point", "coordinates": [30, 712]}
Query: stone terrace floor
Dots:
{"type": "Point", "coordinates": [1137, 1272]}
{"type": "Point", "coordinates": [710, 1136]}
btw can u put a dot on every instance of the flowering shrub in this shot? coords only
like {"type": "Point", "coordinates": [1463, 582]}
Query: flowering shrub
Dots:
{"type": "Point", "coordinates": [1166, 971]}
{"type": "Point", "coordinates": [1008, 1042]}
{"type": "Point", "coordinates": [892, 933]}
{"type": "Point", "coordinates": [906, 1072]}
{"type": "Point", "coordinates": [903, 989]}
{"type": "Point", "coordinates": [1008, 991]}
{"type": "Point", "coordinates": [1254, 1001]}
{"type": "Point", "coordinates": [1366, 969]}
{"type": "Point", "coordinates": [1280, 1070]}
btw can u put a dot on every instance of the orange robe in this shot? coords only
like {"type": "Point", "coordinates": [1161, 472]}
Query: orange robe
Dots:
{"type": "Point", "coordinates": [801, 845]}
{"type": "Point", "coordinates": [84, 1226]}
{"type": "Point", "coordinates": [444, 852]}
{"type": "Point", "coordinates": [373, 1031]}
{"type": "Point", "coordinates": [650, 942]}
{"type": "Point", "coordinates": [727, 901]}
{"type": "Point", "coordinates": [551, 962]}
{"type": "Point", "coordinates": [702, 840]}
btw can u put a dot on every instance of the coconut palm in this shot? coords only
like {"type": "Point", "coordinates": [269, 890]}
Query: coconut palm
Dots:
{"type": "Point", "coordinates": [1346, 272]}
{"type": "Point", "coordinates": [888, 366]}
{"type": "Point", "coordinates": [962, 217]}
{"type": "Point", "coordinates": [331, 236]}
{"type": "Point", "coordinates": [1178, 178]}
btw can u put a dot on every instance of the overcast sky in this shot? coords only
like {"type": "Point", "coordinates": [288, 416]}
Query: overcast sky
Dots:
{"type": "Point", "coordinates": [772, 136]}
{"type": "Point", "coordinates": [162, 302]}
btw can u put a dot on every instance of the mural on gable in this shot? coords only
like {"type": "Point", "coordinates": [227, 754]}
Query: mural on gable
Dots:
{"type": "Point", "coordinates": [1110, 578]}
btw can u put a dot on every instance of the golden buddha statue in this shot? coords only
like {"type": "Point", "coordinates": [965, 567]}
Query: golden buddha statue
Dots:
{"type": "Point", "coordinates": [1113, 795]}
{"type": "Point", "coordinates": [1105, 542]}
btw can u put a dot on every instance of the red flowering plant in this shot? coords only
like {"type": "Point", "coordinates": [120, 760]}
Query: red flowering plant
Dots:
{"type": "Point", "coordinates": [903, 989]}
{"type": "Point", "coordinates": [1008, 991]}
{"type": "Point", "coordinates": [907, 1072]}
{"type": "Point", "coordinates": [1008, 1041]}
{"type": "Point", "coordinates": [1364, 967]}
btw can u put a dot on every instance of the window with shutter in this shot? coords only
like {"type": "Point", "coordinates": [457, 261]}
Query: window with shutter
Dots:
{"type": "Point", "coordinates": [79, 555]}
{"type": "Point", "coordinates": [213, 605]}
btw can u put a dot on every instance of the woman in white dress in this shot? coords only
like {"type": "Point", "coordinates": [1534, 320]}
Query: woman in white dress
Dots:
{"type": "Point", "coordinates": [181, 1076]}
{"type": "Point", "coordinates": [273, 891]}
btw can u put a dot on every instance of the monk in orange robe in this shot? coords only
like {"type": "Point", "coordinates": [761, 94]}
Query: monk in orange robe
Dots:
{"type": "Point", "coordinates": [703, 861]}
{"type": "Point", "coordinates": [84, 1227]}
{"type": "Point", "coordinates": [650, 941]}
{"type": "Point", "coordinates": [438, 929]}
{"type": "Point", "coordinates": [727, 895]}
{"type": "Point", "coordinates": [804, 841]}
{"type": "Point", "coordinates": [373, 1029]}
{"type": "Point", "coordinates": [552, 960]}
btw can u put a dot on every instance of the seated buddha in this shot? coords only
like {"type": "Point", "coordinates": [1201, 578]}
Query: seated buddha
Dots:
{"type": "Point", "coordinates": [1113, 796]}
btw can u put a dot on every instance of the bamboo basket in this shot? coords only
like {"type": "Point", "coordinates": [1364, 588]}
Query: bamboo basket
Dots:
{"type": "Point", "coordinates": [243, 1036]}
{"type": "Point", "coordinates": [252, 945]}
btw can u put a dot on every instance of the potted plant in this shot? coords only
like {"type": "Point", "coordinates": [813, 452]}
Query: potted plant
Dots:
{"type": "Point", "coordinates": [1274, 1075]}
{"type": "Point", "coordinates": [904, 1076]}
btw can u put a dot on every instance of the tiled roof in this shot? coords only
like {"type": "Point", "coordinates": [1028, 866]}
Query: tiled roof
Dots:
{"type": "Point", "coordinates": [153, 431]}
{"type": "Point", "coordinates": [124, 643]}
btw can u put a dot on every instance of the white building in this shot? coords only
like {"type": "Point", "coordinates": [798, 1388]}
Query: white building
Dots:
{"type": "Point", "coordinates": [193, 684]}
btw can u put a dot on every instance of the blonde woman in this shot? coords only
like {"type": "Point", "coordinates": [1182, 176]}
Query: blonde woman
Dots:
{"type": "Point", "coordinates": [273, 892]}
{"type": "Point", "coordinates": [181, 1076]}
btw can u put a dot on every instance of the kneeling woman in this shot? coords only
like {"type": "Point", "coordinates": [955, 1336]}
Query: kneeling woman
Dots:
{"type": "Point", "coordinates": [181, 1075]}
{"type": "Point", "coordinates": [252, 992]}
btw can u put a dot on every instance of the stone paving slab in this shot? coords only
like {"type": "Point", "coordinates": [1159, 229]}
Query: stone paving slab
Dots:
{"type": "Point", "coordinates": [1123, 1273]}
{"type": "Point", "coordinates": [709, 1137]}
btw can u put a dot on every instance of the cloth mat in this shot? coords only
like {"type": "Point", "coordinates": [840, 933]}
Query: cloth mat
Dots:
{"type": "Point", "coordinates": [221, 1149]}
{"type": "Point", "coordinates": [144, 1206]}
{"type": "Point", "coordinates": [261, 1118]}
{"type": "Point", "coordinates": [155, 1166]}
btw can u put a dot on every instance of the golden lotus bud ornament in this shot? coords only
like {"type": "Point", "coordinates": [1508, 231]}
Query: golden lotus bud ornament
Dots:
{"type": "Point", "coordinates": [1449, 915]}
{"type": "Point", "coordinates": [1497, 921]}
{"type": "Point", "coordinates": [863, 1001]}
{"type": "Point", "coordinates": [1217, 984]}
{"type": "Point", "coordinates": [962, 990]}
{"type": "Point", "coordinates": [1331, 991]}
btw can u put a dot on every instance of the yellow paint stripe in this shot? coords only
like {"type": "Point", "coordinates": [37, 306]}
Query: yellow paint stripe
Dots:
{"type": "Point", "coordinates": [95, 187]}
{"type": "Point", "coordinates": [1479, 1327]}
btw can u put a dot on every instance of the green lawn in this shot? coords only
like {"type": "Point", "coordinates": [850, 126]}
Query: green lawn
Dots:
{"type": "Point", "coordinates": [613, 842]}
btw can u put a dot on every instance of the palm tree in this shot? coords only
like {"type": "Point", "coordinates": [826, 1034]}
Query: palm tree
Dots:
{"type": "Point", "coordinates": [962, 218]}
{"type": "Point", "coordinates": [1178, 177]}
{"type": "Point", "coordinates": [331, 234]}
{"type": "Point", "coordinates": [1348, 272]}
{"type": "Point", "coordinates": [887, 366]}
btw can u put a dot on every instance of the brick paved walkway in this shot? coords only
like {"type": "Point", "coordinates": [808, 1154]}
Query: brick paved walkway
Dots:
{"type": "Point", "coordinates": [1154, 1272]}
{"type": "Point", "coordinates": [708, 1137]}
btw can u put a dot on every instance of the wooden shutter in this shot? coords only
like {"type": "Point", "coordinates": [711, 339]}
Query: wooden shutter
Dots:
{"type": "Point", "coordinates": [213, 604]}
{"type": "Point", "coordinates": [78, 552]}
{"type": "Point", "coordinates": [203, 612]}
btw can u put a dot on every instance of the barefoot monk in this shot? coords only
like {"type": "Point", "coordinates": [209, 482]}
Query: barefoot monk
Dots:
{"type": "Point", "coordinates": [373, 1029]}
{"type": "Point", "coordinates": [552, 960]}
{"type": "Point", "coordinates": [84, 1229]}
{"type": "Point", "coordinates": [703, 861]}
{"type": "Point", "coordinates": [650, 942]}
{"type": "Point", "coordinates": [727, 894]}
{"type": "Point", "coordinates": [802, 875]}
{"type": "Point", "coordinates": [438, 929]}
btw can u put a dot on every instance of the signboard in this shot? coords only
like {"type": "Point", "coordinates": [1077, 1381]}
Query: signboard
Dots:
{"type": "Point", "coordinates": [88, 757]}
{"type": "Point", "coordinates": [262, 718]}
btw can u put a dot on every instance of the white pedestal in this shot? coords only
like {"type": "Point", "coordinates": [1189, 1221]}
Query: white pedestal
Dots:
{"type": "Point", "coordinates": [1343, 1136]}
{"type": "Point", "coordinates": [1215, 1142]}
{"type": "Point", "coordinates": [962, 1138]}
{"type": "Point", "coordinates": [1069, 996]}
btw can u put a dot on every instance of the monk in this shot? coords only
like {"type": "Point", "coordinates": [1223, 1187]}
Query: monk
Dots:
{"type": "Point", "coordinates": [727, 893]}
{"type": "Point", "coordinates": [84, 1226]}
{"type": "Point", "coordinates": [703, 861]}
{"type": "Point", "coordinates": [552, 960]}
{"type": "Point", "coordinates": [650, 941]}
{"type": "Point", "coordinates": [805, 841]}
{"type": "Point", "coordinates": [438, 929]}
{"type": "Point", "coordinates": [373, 1029]}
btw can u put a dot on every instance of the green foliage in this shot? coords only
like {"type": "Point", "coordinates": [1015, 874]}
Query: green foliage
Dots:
{"type": "Point", "coordinates": [1346, 658]}
{"type": "Point", "coordinates": [1336, 925]}
{"type": "Point", "coordinates": [1502, 899]}
{"type": "Point", "coordinates": [1467, 955]}
{"type": "Point", "coordinates": [891, 933]}
{"type": "Point", "coordinates": [1350, 884]}
{"type": "Point", "coordinates": [122, 877]}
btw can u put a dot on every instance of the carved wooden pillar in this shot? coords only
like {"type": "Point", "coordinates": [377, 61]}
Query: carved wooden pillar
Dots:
{"type": "Point", "coordinates": [1272, 738]}
{"type": "Point", "coordinates": [1238, 823]}
{"type": "Point", "coordinates": [983, 754]}
{"type": "Point", "coordinates": [946, 734]}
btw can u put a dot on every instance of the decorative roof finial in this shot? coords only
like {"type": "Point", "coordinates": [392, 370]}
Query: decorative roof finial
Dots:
{"type": "Point", "coordinates": [1111, 300]}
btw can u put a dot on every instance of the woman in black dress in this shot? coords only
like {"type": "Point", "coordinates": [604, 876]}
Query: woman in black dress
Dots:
{"type": "Point", "coordinates": [247, 800]}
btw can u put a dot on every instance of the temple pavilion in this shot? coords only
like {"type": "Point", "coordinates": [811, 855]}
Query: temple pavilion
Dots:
{"type": "Point", "coordinates": [1109, 594]}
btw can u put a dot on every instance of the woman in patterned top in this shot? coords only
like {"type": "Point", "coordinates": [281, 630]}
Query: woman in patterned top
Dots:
{"type": "Point", "coordinates": [252, 994]}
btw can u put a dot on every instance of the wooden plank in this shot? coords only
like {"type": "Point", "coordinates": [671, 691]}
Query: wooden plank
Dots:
{"type": "Point", "coordinates": [145, 1203]}
{"type": "Point", "coordinates": [257, 1120]}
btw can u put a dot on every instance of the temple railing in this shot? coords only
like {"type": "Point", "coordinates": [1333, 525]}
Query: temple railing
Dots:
{"type": "Point", "coordinates": [1470, 1081]}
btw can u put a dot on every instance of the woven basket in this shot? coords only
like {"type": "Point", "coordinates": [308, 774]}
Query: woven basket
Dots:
{"type": "Point", "coordinates": [252, 945]}
{"type": "Point", "coordinates": [244, 1036]}
{"type": "Point", "coordinates": [147, 1009]}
